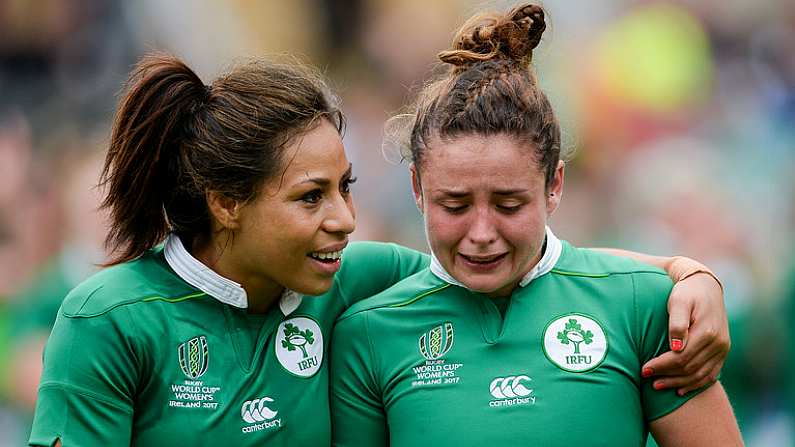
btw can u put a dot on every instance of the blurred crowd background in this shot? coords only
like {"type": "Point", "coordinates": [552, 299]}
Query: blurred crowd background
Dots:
{"type": "Point", "coordinates": [680, 116]}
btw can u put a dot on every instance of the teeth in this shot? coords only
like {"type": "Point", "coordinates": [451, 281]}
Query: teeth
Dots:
{"type": "Point", "coordinates": [327, 255]}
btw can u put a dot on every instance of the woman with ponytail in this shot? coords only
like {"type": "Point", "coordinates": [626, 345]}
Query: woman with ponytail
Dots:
{"type": "Point", "coordinates": [207, 339]}
{"type": "Point", "coordinates": [511, 336]}
{"type": "Point", "coordinates": [231, 208]}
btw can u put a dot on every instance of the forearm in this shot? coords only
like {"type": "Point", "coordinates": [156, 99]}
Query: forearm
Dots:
{"type": "Point", "coordinates": [663, 262]}
{"type": "Point", "coordinates": [677, 267]}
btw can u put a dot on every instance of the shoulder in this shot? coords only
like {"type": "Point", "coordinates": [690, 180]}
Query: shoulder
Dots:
{"type": "Point", "coordinates": [369, 253]}
{"type": "Point", "coordinates": [406, 292]}
{"type": "Point", "coordinates": [358, 249]}
{"type": "Point", "coordinates": [586, 263]}
{"type": "Point", "coordinates": [363, 256]}
{"type": "Point", "coordinates": [616, 276]}
{"type": "Point", "coordinates": [147, 278]}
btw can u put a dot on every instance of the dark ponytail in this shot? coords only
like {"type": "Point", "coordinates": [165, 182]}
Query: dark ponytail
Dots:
{"type": "Point", "coordinates": [163, 93]}
{"type": "Point", "coordinates": [174, 139]}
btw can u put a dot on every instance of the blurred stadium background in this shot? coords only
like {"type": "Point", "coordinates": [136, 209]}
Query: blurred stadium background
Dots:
{"type": "Point", "coordinates": [681, 115]}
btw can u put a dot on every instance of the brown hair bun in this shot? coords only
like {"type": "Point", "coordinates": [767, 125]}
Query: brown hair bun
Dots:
{"type": "Point", "coordinates": [509, 36]}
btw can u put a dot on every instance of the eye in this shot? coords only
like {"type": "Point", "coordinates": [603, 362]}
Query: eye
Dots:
{"type": "Point", "coordinates": [312, 196]}
{"type": "Point", "coordinates": [509, 208]}
{"type": "Point", "coordinates": [454, 209]}
{"type": "Point", "coordinates": [345, 187]}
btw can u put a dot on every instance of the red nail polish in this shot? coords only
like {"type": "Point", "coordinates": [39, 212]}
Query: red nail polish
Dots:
{"type": "Point", "coordinates": [658, 386]}
{"type": "Point", "coordinates": [647, 372]}
{"type": "Point", "coordinates": [676, 344]}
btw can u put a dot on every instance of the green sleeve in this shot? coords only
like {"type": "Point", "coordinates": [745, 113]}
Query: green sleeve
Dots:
{"type": "Point", "coordinates": [88, 381]}
{"type": "Point", "coordinates": [369, 268]}
{"type": "Point", "coordinates": [651, 335]}
{"type": "Point", "coordinates": [357, 413]}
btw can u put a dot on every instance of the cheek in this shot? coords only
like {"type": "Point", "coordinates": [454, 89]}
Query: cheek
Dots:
{"type": "Point", "coordinates": [286, 231]}
{"type": "Point", "coordinates": [524, 232]}
{"type": "Point", "coordinates": [443, 228]}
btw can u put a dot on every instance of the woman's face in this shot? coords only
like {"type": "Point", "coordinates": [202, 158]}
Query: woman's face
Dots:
{"type": "Point", "coordinates": [293, 233]}
{"type": "Point", "coordinates": [485, 207]}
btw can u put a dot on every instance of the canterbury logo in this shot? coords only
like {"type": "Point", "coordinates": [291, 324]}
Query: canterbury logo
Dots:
{"type": "Point", "coordinates": [508, 387]}
{"type": "Point", "coordinates": [256, 411]}
{"type": "Point", "coordinates": [436, 342]}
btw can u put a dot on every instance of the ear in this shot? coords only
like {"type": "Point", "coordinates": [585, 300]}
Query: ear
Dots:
{"type": "Point", "coordinates": [555, 191]}
{"type": "Point", "coordinates": [224, 210]}
{"type": "Point", "coordinates": [416, 187]}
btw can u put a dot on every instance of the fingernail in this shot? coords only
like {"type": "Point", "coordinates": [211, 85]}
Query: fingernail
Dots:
{"type": "Point", "coordinates": [681, 393]}
{"type": "Point", "coordinates": [659, 385]}
{"type": "Point", "coordinates": [647, 372]}
{"type": "Point", "coordinates": [676, 344]}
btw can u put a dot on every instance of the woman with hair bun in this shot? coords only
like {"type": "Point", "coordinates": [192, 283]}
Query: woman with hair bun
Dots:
{"type": "Point", "coordinates": [511, 336]}
{"type": "Point", "coordinates": [231, 209]}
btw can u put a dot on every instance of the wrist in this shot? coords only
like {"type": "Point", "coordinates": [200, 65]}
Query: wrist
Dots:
{"type": "Point", "coordinates": [682, 267]}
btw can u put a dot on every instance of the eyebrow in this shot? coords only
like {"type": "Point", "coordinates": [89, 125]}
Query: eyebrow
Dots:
{"type": "Point", "coordinates": [322, 181]}
{"type": "Point", "coordinates": [456, 194]}
{"type": "Point", "coordinates": [510, 192]}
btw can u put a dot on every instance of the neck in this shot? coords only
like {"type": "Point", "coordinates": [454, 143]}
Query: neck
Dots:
{"type": "Point", "coordinates": [507, 290]}
{"type": "Point", "coordinates": [262, 293]}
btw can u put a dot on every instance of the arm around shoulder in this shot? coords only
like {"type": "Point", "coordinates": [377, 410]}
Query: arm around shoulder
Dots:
{"type": "Point", "coordinates": [369, 268]}
{"type": "Point", "coordinates": [703, 421]}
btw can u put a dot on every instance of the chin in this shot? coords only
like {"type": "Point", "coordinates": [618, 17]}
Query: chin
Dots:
{"type": "Point", "coordinates": [482, 286]}
{"type": "Point", "coordinates": [315, 287]}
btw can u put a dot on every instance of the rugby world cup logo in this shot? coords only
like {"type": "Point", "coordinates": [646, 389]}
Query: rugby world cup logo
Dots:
{"type": "Point", "coordinates": [194, 357]}
{"type": "Point", "coordinates": [436, 342]}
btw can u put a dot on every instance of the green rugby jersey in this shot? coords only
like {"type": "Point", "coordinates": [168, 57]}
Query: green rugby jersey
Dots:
{"type": "Point", "coordinates": [428, 362]}
{"type": "Point", "coordinates": [139, 356]}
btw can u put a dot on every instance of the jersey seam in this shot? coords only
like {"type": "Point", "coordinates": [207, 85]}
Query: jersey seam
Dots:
{"type": "Point", "coordinates": [400, 304]}
{"type": "Point", "coordinates": [638, 336]}
{"type": "Point", "coordinates": [138, 350]}
{"type": "Point", "coordinates": [420, 296]}
{"type": "Point", "coordinates": [603, 275]}
{"type": "Point", "coordinates": [395, 274]}
{"type": "Point", "coordinates": [88, 297]}
{"type": "Point", "coordinates": [231, 326]}
{"type": "Point", "coordinates": [371, 349]}
{"type": "Point", "coordinates": [133, 301]}
{"type": "Point", "coordinates": [173, 300]}
{"type": "Point", "coordinates": [345, 299]}
{"type": "Point", "coordinates": [83, 392]}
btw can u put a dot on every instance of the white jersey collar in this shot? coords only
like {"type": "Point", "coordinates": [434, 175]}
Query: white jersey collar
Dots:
{"type": "Point", "coordinates": [193, 272]}
{"type": "Point", "coordinates": [545, 264]}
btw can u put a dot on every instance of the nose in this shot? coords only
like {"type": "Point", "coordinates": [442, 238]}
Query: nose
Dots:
{"type": "Point", "coordinates": [341, 216]}
{"type": "Point", "coordinates": [483, 230]}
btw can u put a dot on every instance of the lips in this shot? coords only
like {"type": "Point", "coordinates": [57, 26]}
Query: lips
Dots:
{"type": "Point", "coordinates": [329, 254]}
{"type": "Point", "coordinates": [483, 259]}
